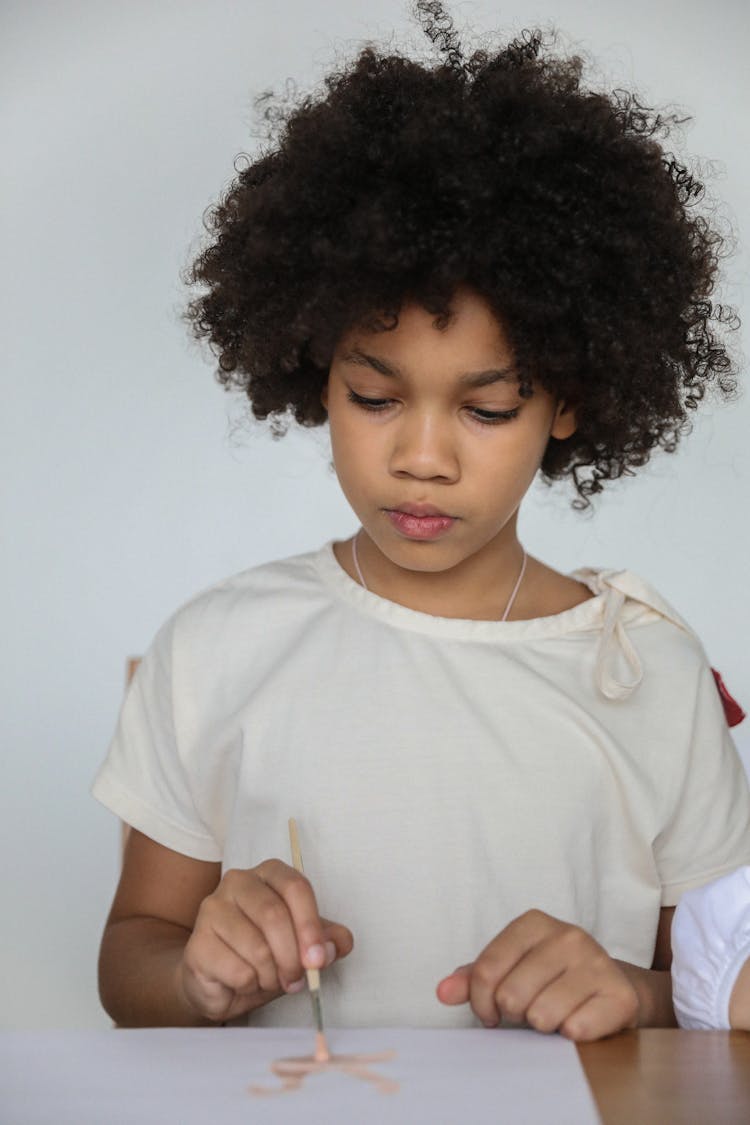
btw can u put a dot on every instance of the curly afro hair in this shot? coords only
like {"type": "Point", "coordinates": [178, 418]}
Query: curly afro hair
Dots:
{"type": "Point", "coordinates": [502, 172]}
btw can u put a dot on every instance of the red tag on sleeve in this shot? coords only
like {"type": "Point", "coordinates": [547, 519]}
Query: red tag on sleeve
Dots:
{"type": "Point", "coordinates": [732, 709]}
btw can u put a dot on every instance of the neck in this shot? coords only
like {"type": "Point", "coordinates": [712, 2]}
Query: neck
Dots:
{"type": "Point", "coordinates": [477, 588]}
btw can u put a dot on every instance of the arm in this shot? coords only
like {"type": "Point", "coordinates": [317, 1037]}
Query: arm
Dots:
{"type": "Point", "coordinates": [654, 986]}
{"type": "Point", "coordinates": [739, 1004]}
{"type": "Point", "coordinates": [183, 946]}
{"type": "Point", "coordinates": [711, 947]}
{"type": "Point", "coordinates": [152, 917]}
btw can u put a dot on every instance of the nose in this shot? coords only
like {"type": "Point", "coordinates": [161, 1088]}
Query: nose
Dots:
{"type": "Point", "coordinates": [423, 447]}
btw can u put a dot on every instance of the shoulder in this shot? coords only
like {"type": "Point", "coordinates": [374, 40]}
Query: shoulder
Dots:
{"type": "Point", "coordinates": [632, 600]}
{"type": "Point", "coordinates": [257, 598]}
{"type": "Point", "coordinates": [550, 592]}
{"type": "Point", "coordinates": [640, 627]}
{"type": "Point", "coordinates": [630, 587]}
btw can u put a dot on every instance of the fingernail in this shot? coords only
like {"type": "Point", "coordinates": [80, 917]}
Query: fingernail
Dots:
{"type": "Point", "coordinates": [316, 956]}
{"type": "Point", "coordinates": [490, 1023]}
{"type": "Point", "coordinates": [330, 953]}
{"type": "Point", "coordinates": [296, 985]}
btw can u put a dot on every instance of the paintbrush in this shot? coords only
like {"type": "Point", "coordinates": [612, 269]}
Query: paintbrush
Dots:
{"type": "Point", "coordinates": [322, 1054]}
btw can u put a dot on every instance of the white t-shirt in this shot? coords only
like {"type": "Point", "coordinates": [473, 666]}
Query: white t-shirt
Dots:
{"type": "Point", "coordinates": [446, 774]}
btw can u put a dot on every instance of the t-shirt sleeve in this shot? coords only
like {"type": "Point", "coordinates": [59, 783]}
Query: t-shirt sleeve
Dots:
{"type": "Point", "coordinates": [708, 833]}
{"type": "Point", "coordinates": [143, 779]}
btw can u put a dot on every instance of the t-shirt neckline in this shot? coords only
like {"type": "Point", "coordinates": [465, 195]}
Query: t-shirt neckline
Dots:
{"type": "Point", "coordinates": [583, 617]}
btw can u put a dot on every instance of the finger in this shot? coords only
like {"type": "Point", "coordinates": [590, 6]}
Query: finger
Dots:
{"type": "Point", "coordinates": [600, 1015]}
{"type": "Point", "coordinates": [209, 998]}
{"type": "Point", "coordinates": [454, 989]}
{"type": "Point", "coordinates": [519, 936]}
{"type": "Point", "coordinates": [237, 916]}
{"type": "Point", "coordinates": [264, 911]}
{"type": "Point", "coordinates": [552, 1006]}
{"type": "Point", "coordinates": [555, 960]}
{"type": "Point", "coordinates": [272, 916]}
{"type": "Point", "coordinates": [214, 973]}
{"type": "Point", "coordinates": [501, 957]}
{"type": "Point", "coordinates": [337, 940]}
{"type": "Point", "coordinates": [262, 945]}
{"type": "Point", "coordinates": [296, 891]}
{"type": "Point", "coordinates": [218, 1002]}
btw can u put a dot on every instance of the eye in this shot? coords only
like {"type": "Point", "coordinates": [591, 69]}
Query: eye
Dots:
{"type": "Point", "coordinates": [368, 403]}
{"type": "Point", "coordinates": [494, 417]}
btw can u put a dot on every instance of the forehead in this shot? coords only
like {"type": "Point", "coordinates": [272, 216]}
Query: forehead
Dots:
{"type": "Point", "coordinates": [470, 329]}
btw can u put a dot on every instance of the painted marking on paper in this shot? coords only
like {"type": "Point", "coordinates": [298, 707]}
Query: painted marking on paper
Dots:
{"type": "Point", "coordinates": [293, 1072]}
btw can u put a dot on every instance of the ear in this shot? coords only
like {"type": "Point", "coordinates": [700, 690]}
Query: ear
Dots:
{"type": "Point", "coordinates": [564, 424]}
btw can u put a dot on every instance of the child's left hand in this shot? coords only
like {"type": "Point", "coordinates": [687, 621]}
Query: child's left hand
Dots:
{"type": "Point", "coordinates": [551, 975]}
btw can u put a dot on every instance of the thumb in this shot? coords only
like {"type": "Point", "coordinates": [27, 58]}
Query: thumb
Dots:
{"type": "Point", "coordinates": [339, 935]}
{"type": "Point", "coordinates": [454, 989]}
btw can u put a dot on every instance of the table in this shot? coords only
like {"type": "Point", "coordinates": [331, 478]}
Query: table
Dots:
{"type": "Point", "coordinates": [663, 1076]}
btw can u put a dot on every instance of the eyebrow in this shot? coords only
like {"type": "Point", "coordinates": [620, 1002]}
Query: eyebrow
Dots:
{"type": "Point", "coordinates": [467, 379]}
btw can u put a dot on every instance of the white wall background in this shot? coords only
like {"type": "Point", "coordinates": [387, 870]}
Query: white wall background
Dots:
{"type": "Point", "coordinates": [124, 490]}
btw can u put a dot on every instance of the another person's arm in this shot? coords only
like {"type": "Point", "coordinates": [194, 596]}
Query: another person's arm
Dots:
{"type": "Point", "coordinates": [711, 954]}
{"type": "Point", "coordinates": [739, 1001]}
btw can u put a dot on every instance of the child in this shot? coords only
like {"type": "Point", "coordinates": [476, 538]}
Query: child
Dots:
{"type": "Point", "coordinates": [505, 777]}
{"type": "Point", "coordinates": [711, 954]}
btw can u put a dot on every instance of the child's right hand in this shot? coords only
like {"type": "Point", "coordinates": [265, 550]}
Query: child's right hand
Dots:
{"type": "Point", "coordinates": [253, 939]}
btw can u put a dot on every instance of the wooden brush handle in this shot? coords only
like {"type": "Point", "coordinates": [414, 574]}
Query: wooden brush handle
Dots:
{"type": "Point", "coordinates": [313, 975]}
{"type": "Point", "coordinates": [294, 841]}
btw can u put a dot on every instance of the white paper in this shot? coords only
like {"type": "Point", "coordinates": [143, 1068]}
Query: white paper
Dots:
{"type": "Point", "coordinates": [202, 1077]}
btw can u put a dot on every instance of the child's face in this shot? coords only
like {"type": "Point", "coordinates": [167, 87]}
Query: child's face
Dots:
{"type": "Point", "coordinates": [432, 439]}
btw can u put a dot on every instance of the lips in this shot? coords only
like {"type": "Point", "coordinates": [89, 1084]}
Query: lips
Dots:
{"type": "Point", "coordinates": [420, 510]}
{"type": "Point", "coordinates": [420, 521]}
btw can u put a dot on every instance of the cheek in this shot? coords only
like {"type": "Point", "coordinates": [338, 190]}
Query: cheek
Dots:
{"type": "Point", "coordinates": [351, 446]}
{"type": "Point", "coordinates": [514, 461]}
{"type": "Point", "coordinates": [534, 436]}
{"type": "Point", "coordinates": [352, 429]}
